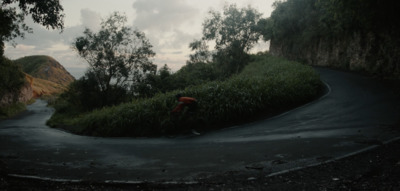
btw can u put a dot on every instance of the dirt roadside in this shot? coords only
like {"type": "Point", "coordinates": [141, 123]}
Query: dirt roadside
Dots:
{"type": "Point", "coordinates": [376, 169]}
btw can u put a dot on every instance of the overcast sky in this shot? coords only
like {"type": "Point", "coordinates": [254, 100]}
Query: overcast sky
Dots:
{"type": "Point", "coordinates": [170, 25]}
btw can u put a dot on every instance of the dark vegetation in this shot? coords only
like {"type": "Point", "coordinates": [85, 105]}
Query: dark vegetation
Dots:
{"type": "Point", "coordinates": [11, 81]}
{"type": "Point", "coordinates": [305, 21]}
{"type": "Point", "coordinates": [11, 77]}
{"type": "Point", "coordinates": [299, 28]}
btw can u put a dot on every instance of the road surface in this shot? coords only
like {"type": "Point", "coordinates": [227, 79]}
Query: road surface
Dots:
{"type": "Point", "coordinates": [356, 113]}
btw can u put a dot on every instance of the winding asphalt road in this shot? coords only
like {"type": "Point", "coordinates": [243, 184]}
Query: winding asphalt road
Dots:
{"type": "Point", "coordinates": [356, 113]}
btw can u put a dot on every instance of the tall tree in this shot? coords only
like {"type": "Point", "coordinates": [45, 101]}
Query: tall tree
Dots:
{"type": "Point", "coordinates": [235, 33]}
{"type": "Point", "coordinates": [201, 54]}
{"type": "Point", "coordinates": [117, 55]}
{"type": "Point", "coordinates": [47, 13]}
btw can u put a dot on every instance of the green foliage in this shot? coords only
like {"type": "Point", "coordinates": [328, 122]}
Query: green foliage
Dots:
{"type": "Point", "coordinates": [116, 54]}
{"type": "Point", "coordinates": [119, 60]}
{"type": "Point", "coordinates": [85, 95]}
{"type": "Point", "coordinates": [301, 21]}
{"type": "Point", "coordinates": [235, 31]}
{"type": "Point", "coordinates": [11, 110]}
{"type": "Point", "coordinates": [32, 64]}
{"type": "Point", "coordinates": [201, 55]}
{"type": "Point", "coordinates": [47, 13]}
{"type": "Point", "coordinates": [346, 16]}
{"type": "Point", "coordinates": [189, 75]}
{"type": "Point", "coordinates": [11, 81]}
{"type": "Point", "coordinates": [292, 20]}
{"type": "Point", "coordinates": [194, 74]}
{"type": "Point", "coordinates": [268, 85]}
{"type": "Point", "coordinates": [11, 77]}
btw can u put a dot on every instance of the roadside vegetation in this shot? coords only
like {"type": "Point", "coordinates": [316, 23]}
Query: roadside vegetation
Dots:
{"type": "Point", "coordinates": [11, 110]}
{"type": "Point", "coordinates": [267, 86]}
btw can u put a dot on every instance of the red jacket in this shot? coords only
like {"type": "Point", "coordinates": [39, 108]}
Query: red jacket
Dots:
{"type": "Point", "coordinates": [183, 101]}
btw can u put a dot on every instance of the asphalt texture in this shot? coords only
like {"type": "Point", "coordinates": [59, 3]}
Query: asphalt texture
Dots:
{"type": "Point", "coordinates": [357, 113]}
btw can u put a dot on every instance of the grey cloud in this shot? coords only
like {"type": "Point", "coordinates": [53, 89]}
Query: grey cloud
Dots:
{"type": "Point", "coordinates": [43, 38]}
{"type": "Point", "coordinates": [181, 38]}
{"type": "Point", "coordinates": [43, 41]}
{"type": "Point", "coordinates": [90, 19]}
{"type": "Point", "coordinates": [162, 15]}
{"type": "Point", "coordinates": [166, 24]}
{"type": "Point", "coordinates": [173, 52]}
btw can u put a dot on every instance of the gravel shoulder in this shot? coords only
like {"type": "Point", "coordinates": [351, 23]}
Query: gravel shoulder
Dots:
{"type": "Point", "coordinates": [375, 169]}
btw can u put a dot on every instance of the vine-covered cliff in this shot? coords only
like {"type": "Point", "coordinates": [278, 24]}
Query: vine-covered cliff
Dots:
{"type": "Point", "coordinates": [376, 54]}
{"type": "Point", "coordinates": [358, 35]}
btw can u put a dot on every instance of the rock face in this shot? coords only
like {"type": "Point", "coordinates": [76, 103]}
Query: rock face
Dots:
{"type": "Point", "coordinates": [24, 95]}
{"type": "Point", "coordinates": [377, 54]}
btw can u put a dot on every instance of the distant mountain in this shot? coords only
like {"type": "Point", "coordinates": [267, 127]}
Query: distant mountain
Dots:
{"type": "Point", "coordinates": [45, 68]}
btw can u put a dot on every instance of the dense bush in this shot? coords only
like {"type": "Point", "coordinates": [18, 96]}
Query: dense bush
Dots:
{"type": "Point", "coordinates": [268, 85]}
{"type": "Point", "coordinates": [85, 95]}
{"type": "Point", "coordinates": [11, 110]}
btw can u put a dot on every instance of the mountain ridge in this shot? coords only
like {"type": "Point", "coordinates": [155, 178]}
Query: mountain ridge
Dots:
{"type": "Point", "coordinates": [45, 68]}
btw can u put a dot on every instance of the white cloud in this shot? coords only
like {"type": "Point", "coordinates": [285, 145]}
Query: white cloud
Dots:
{"type": "Point", "coordinates": [162, 15]}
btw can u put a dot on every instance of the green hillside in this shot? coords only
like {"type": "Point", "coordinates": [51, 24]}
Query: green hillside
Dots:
{"type": "Point", "coordinates": [46, 68]}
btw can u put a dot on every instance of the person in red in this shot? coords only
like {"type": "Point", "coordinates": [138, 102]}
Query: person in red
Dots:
{"type": "Point", "coordinates": [183, 102]}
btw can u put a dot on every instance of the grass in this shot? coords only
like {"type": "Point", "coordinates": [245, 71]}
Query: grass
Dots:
{"type": "Point", "coordinates": [269, 85]}
{"type": "Point", "coordinates": [11, 110]}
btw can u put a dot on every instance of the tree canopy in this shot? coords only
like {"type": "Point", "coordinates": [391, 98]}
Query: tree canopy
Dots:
{"type": "Point", "coordinates": [234, 32]}
{"type": "Point", "coordinates": [47, 13]}
{"type": "Point", "coordinates": [116, 54]}
{"type": "Point", "coordinates": [119, 61]}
